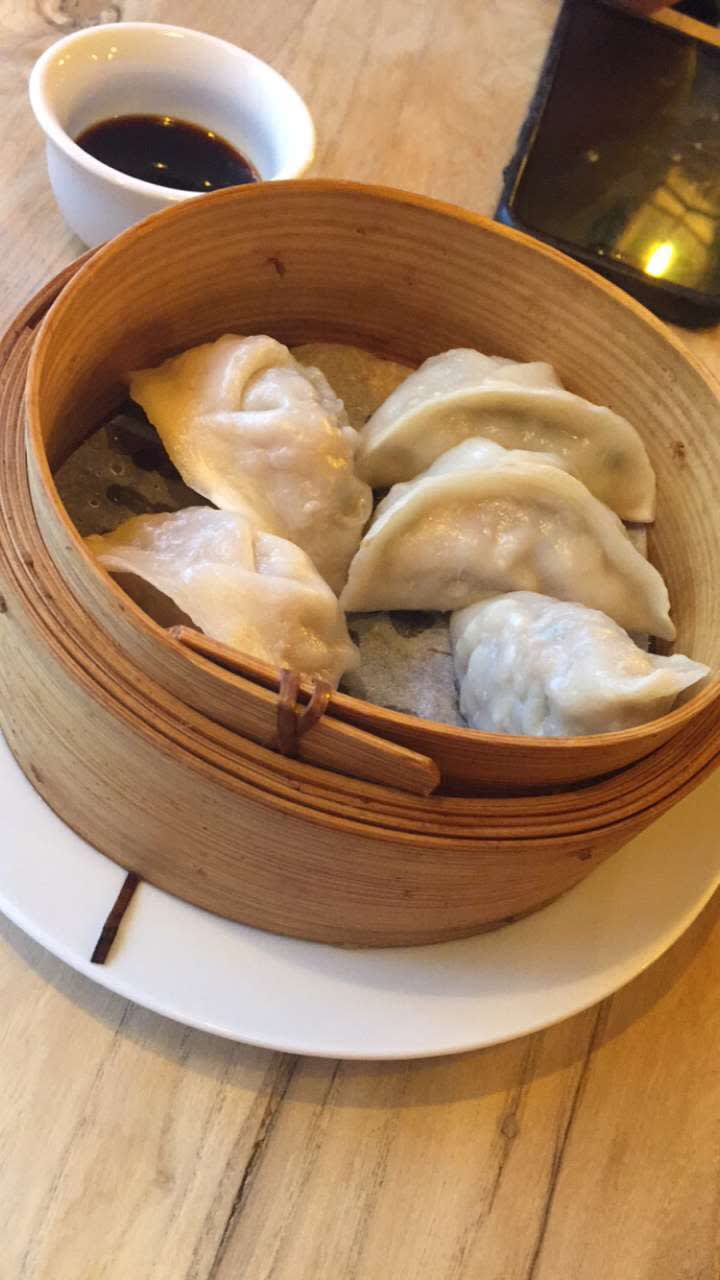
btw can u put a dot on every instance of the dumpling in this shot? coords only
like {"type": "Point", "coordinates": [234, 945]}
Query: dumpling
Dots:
{"type": "Point", "coordinates": [253, 431]}
{"type": "Point", "coordinates": [483, 519]}
{"type": "Point", "coordinates": [527, 664]}
{"type": "Point", "coordinates": [523, 406]}
{"type": "Point", "coordinates": [253, 591]}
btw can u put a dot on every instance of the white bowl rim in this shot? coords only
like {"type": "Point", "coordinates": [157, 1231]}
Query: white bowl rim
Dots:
{"type": "Point", "coordinates": [47, 119]}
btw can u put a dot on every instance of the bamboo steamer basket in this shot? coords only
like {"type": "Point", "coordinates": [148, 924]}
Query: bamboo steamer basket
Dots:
{"type": "Point", "coordinates": [162, 756]}
{"type": "Point", "coordinates": [406, 277]}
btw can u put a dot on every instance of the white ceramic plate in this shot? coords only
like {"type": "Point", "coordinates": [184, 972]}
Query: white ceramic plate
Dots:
{"type": "Point", "coordinates": [311, 999]}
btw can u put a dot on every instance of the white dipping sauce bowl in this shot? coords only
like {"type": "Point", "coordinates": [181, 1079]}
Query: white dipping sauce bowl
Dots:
{"type": "Point", "coordinates": [129, 68]}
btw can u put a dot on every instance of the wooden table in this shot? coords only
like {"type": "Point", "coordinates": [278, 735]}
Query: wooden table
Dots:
{"type": "Point", "coordinates": [133, 1149]}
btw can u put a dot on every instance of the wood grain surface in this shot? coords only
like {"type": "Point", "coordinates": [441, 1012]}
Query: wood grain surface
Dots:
{"type": "Point", "coordinates": [132, 1149]}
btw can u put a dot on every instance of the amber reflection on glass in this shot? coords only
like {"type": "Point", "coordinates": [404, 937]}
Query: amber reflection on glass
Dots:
{"type": "Point", "coordinates": [659, 259]}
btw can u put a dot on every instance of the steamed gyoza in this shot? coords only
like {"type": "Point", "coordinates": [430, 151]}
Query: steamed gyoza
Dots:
{"type": "Point", "coordinates": [254, 431]}
{"type": "Point", "coordinates": [253, 591]}
{"type": "Point", "coordinates": [523, 406]}
{"type": "Point", "coordinates": [483, 519]}
{"type": "Point", "coordinates": [528, 664]}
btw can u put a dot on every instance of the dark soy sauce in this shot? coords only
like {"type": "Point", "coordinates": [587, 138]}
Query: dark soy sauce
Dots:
{"type": "Point", "coordinates": [168, 152]}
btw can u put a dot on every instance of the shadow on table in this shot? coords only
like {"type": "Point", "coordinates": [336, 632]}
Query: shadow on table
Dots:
{"type": "Point", "coordinates": [198, 1051]}
{"type": "Point", "coordinates": [394, 1084]}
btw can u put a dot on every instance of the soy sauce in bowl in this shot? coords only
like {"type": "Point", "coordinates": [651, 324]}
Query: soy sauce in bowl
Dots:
{"type": "Point", "coordinates": [168, 152]}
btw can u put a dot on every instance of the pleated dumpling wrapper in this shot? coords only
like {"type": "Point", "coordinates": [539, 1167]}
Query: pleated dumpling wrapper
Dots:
{"type": "Point", "coordinates": [530, 665]}
{"type": "Point", "coordinates": [254, 591]}
{"type": "Point", "coordinates": [522, 406]}
{"type": "Point", "coordinates": [484, 519]}
{"type": "Point", "coordinates": [254, 431]}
